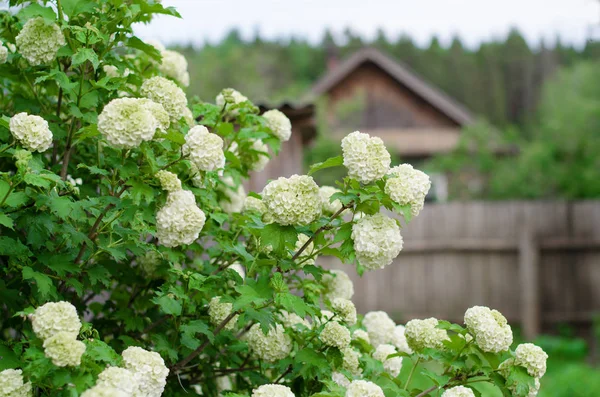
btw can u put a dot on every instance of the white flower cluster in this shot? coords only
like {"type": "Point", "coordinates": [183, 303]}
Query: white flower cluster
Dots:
{"type": "Point", "coordinates": [254, 204]}
{"type": "Point", "coordinates": [279, 124]}
{"type": "Point", "coordinates": [272, 391]}
{"type": "Point", "coordinates": [340, 379]}
{"type": "Point", "coordinates": [458, 391]}
{"type": "Point", "coordinates": [391, 365]}
{"type": "Point", "coordinates": [379, 326]}
{"type": "Point", "coordinates": [218, 312]}
{"type": "Point", "coordinates": [407, 185]}
{"type": "Point", "coordinates": [3, 53]}
{"type": "Point", "coordinates": [39, 41]}
{"type": "Point", "coordinates": [361, 334]}
{"type": "Point", "coordinates": [148, 262]}
{"type": "Point", "coordinates": [120, 379]}
{"type": "Point", "coordinates": [235, 196]}
{"type": "Point", "coordinates": [175, 66]}
{"type": "Point", "coordinates": [229, 96]}
{"type": "Point", "coordinates": [205, 149]}
{"type": "Point", "coordinates": [336, 335]}
{"type": "Point", "coordinates": [290, 320]}
{"type": "Point", "coordinates": [188, 116]}
{"type": "Point", "coordinates": [304, 258]}
{"type": "Point", "coordinates": [292, 201]}
{"type": "Point", "coordinates": [104, 391]}
{"type": "Point", "coordinates": [180, 221]}
{"type": "Point", "coordinates": [350, 361]}
{"type": "Point", "coordinates": [168, 180]}
{"type": "Point", "coordinates": [363, 388]}
{"type": "Point", "coordinates": [31, 131]}
{"type": "Point", "coordinates": [273, 346]}
{"type": "Point", "coordinates": [256, 161]}
{"type": "Point", "coordinates": [12, 385]}
{"type": "Point", "coordinates": [338, 285]}
{"type": "Point", "coordinates": [377, 240]}
{"type": "Point", "coordinates": [533, 358]}
{"type": "Point", "coordinates": [366, 158]}
{"type": "Point", "coordinates": [345, 309]}
{"type": "Point", "coordinates": [423, 334]}
{"type": "Point", "coordinates": [329, 207]}
{"type": "Point", "coordinates": [399, 340]}
{"type": "Point", "coordinates": [64, 349]}
{"type": "Point", "coordinates": [127, 122]}
{"type": "Point", "coordinates": [490, 328]}
{"type": "Point", "coordinates": [148, 369]}
{"type": "Point", "coordinates": [166, 93]}
{"type": "Point", "coordinates": [54, 317]}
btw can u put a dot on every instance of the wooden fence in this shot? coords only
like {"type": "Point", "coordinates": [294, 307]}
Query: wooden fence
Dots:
{"type": "Point", "coordinates": [536, 262]}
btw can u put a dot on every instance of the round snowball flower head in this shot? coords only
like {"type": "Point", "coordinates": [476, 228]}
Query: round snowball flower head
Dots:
{"type": "Point", "coordinates": [458, 391]}
{"type": "Point", "coordinates": [127, 122]}
{"type": "Point", "coordinates": [12, 385]}
{"type": "Point", "coordinates": [391, 365]}
{"type": "Point", "coordinates": [169, 181]}
{"type": "Point", "coordinates": [336, 335]}
{"type": "Point", "coordinates": [363, 388]}
{"type": "Point", "coordinates": [31, 131]}
{"type": "Point", "coordinates": [377, 240]}
{"type": "Point", "coordinates": [204, 149]}
{"type": "Point", "coordinates": [166, 93]}
{"type": "Point", "coordinates": [279, 124]}
{"type": "Point", "coordinates": [338, 285]}
{"type": "Point", "coordinates": [271, 347]}
{"type": "Point", "coordinates": [290, 320]}
{"type": "Point", "coordinates": [293, 201]}
{"type": "Point", "coordinates": [105, 391]}
{"type": "Point", "coordinates": [272, 391]}
{"type": "Point", "coordinates": [3, 53]}
{"type": "Point", "coordinates": [39, 41]}
{"type": "Point", "coordinates": [159, 113]}
{"type": "Point", "coordinates": [230, 96]}
{"type": "Point", "coordinates": [366, 158]}
{"type": "Point", "coordinates": [305, 257]}
{"type": "Point", "coordinates": [408, 186]}
{"type": "Point", "coordinates": [119, 378]}
{"type": "Point", "coordinates": [340, 379]}
{"type": "Point", "coordinates": [351, 361]}
{"type": "Point", "coordinates": [379, 326]}
{"type": "Point", "coordinates": [490, 328]}
{"type": "Point", "coordinates": [345, 309]}
{"type": "Point", "coordinates": [329, 208]}
{"type": "Point", "coordinates": [218, 311]}
{"type": "Point", "coordinates": [361, 334]}
{"type": "Point", "coordinates": [175, 66]}
{"type": "Point", "coordinates": [54, 317]}
{"type": "Point", "coordinates": [235, 196]}
{"type": "Point", "coordinates": [423, 334]}
{"type": "Point", "coordinates": [180, 221]}
{"type": "Point", "coordinates": [254, 204]}
{"type": "Point", "coordinates": [399, 340]}
{"type": "Point", "coordinates": [532, 357]}
{"type": "Point", "coordinates": [64, 350]}
{"type": "Point", "coordinates": [148, 368]}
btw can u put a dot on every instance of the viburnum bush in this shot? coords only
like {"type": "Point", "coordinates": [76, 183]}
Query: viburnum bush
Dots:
{"type": "Point", "coordinates": [133, 263]}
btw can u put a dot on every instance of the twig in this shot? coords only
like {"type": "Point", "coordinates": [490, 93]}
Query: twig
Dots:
{"type": "Point", "coordinates": [426, 392]}
{"type": "Point", "coordinates": [412, 371]}
{"type": "Point", "coordinates": [287, 371]}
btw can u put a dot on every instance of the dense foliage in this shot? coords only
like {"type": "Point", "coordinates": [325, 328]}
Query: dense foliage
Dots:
{"type": "Point", "coordinates": [134, 264]}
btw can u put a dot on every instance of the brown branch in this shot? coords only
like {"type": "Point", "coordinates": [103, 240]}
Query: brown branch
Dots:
{"type": "Point", "coordinates": [426, 392]}
{"type": "Point", "coordinates": [154, 325]}
{"type": "Point", "coordinates": [287, 371]}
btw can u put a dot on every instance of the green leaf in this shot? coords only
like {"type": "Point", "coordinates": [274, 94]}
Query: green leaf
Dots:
{"type": "Point", "coordinates": [100, 351]}
{"type": "Point", "coordinates": [6, 221]}
{"type": "Point", "coordinates": [311, 357]}
{"type": "Point", "coordinates": [36, 10]}
{"type": "Point", "coordinates": [11, 247]}
{"type": "Point", "coordinates": [73, 8]}
{"type": "Point", "coordinates": [85, 54]}
{"type": "Point", "coordinates": [36, 180]}
{"type": "Point", "coordinates": [197, 326]}
{"type": "Point", "coordinates": [8, 358]}
{"type": "Point", "coordinates": [138, 44]}
{"type": "Point", "coordinates": [168, 305]}
{"type": "Point", "coordinates": [42, 282]}
{"type": "Point", "coordinates": [279, 237]}
{"type": "Point", "coordinates": [175, 137]}
{"type": "Point", "coordinates": [293, 304]}
{"type": "Point", "coordinates": [330, 162]}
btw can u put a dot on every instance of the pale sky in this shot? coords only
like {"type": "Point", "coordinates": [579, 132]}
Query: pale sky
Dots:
{"type": "Point", "coordinates": [473, 20]}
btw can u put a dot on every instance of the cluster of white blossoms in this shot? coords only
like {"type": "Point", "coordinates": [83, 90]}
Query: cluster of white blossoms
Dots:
{"type": "Point", "coordinates": [391, 365]}
{"type": "Point", "coordinates": [175, 66]}
{"type": "Point", "coordinates": [399, 339]}
{"type": "Point", "coordinates": [235, 196]}
{"type": "Point", "coordinates": [168, 181]}
{"type": "Point", "coordinates": [345, 309]}
{"type": "Point", "coordinates": [256, 161]}
{"type": "Point", "coordinates": [329, 208]}
{"type": "Point", "coordinates": [379, 326]}
{"type": "Point", "coordinates": [54, 317]}
{"type": "Point", "coordinates": [361, 334]}
{"type": "Point", "coordinates": [424, 334]}
{"type": "Point", "coordinates": [533, 358]}
{"type": "Point", "coordinates": [363, 388]}
{"type": "Point", "coordinates": [254, 204]}
{"type": "Point", "coordinates": [458, 391]}
{"type": "Point", "coordinates": [180, 221]}
{"type": "Point", "coordinates": [204, 149]}
{"type": "Point", "coordinates": [12, 384]}
{"type": "Point", "coordinates": [218, 311]}
{"type": "Point", "coordinates": [64, 349]}
{"type": "Point", "coordinates": [104, 391]}
{"type": "Point", "coordinates": [127, 122]}
{"type": "Point", "coordinates": [338, 285]}
{"type": "Point", "coordinates": [148, 369]}
{"type": "Point", "coordinates": [3, 53]}
{"type": "Point", "coordinates": [292, 201]}
{"type": "Point", "coordinates": [290, 320]}
{"type": "Point", "coordinates": [279, 124]}
{"type": "Point", "coordinates": [489, 327]}
{"type": "Point", "coordinates": [377, 240]}
{"type": "Point", "coordinates": [350, 361]}
{"type": "Point", "coordinates": [365, 157]}
{"type": "Point", "coordinates": [229, 96]}
{"type": "Point", "coordinates": [166, 93]}
{"type": "Point", "coordinates": [39, 41]}
{"type": "Point", "coordinates": [305, 257]}
{"type": "Point", "coordinates": [271, 347]}
{"type": "Point", "coordinates": [335, 334]}
{"type": "Point", "coordinates": [408, 186]}
{"type": "Point", "coordinates": [272, 391]}
{"type": "Point", "coordinates": [119, 378]}
{"type": "Point", "coordinates": [31, 131]}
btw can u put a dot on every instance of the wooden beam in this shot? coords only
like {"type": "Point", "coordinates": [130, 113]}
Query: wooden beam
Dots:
{"type": "Point", "coordinates": [529, 279]}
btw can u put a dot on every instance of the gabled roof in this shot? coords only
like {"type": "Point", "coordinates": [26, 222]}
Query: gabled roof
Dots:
{"type": "Point", "coordinates": [400, 73]}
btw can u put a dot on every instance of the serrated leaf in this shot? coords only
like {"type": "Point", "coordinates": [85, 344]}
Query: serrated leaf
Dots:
{"type": "Point", "coordinates": [42, 281]}
{"type": "Point", "coordinates": [6, 221]}
{"type": "Point", "coordinates": [85, 54]}
{"type": "Point", "coordinates": [168, 305]}
{"type": "Point", "coordinates": [100, 351]}
{"type": "Point", "coordinates": [138, 44]}
{"type": "Point", "coordinates": [36, 10]}
{"type": "Point", "coordinates": [330, 162]}
{"type": "Point", "coordinates": [8, 359]}
{"type": "Point", "coordinates": [73, 8]}
{"type": "Point", "coordinates": [11, 247]}
{"type": "Point", "coordinates": [278, 237]}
